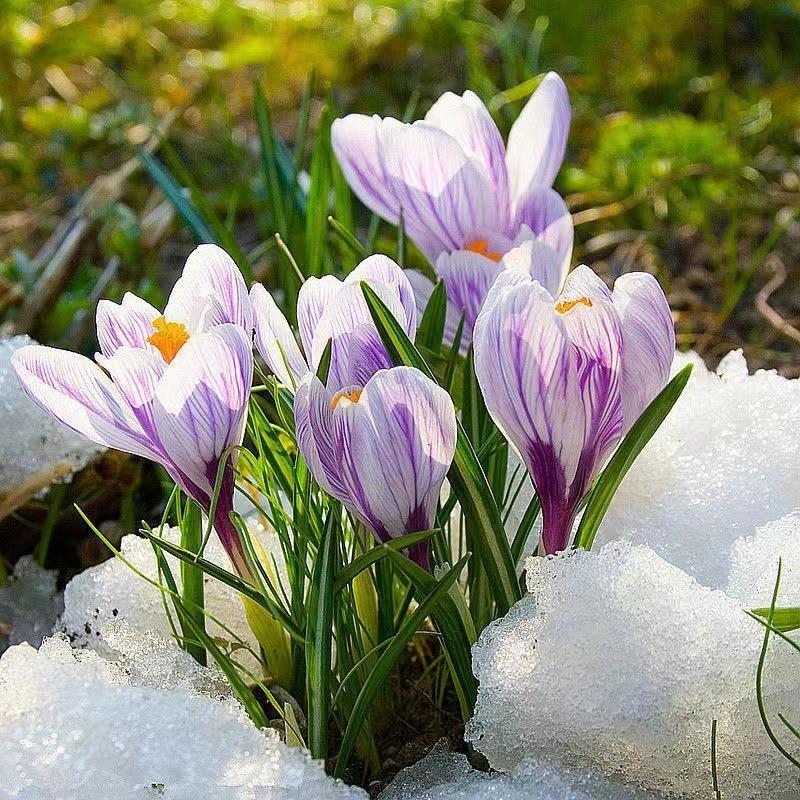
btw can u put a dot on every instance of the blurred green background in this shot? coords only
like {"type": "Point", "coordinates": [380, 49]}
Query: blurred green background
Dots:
{"type": "Point", "coordinates": [684, 155]}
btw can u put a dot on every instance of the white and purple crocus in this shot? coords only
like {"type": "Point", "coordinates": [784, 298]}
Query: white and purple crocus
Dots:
{"type": "Point", "coordinates": [382, 449]}
{"type": "Point", "coordinates": [329, 309]}
{"type": "Point", "coordinates": [380, 439]}
{"type": "Point", "coordinates": [172, 387]}
{"type": "Point", "coordinates": [566, 377]}
{"type": "Point", "coordinates": [471, 204]}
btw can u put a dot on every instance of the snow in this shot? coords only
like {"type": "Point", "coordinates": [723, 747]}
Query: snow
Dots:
{"type": "Point", "coordinates": [35, 451]}
{"type": "Point", "coordinates": [113, 591]}
{"type": "Point", "coordinates": [74, 726]}
{"type": "Point", "coordinates": [449, 776]}
{"type": "Point", "coordinates": [29, 603]}
{"type": "Point", "coordinates": [724, 462]}
{"type": "Point", "coordinates": [618, 662]}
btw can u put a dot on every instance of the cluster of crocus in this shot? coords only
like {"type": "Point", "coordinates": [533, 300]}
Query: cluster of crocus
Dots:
{"type": "Point", "coordinates": [473, 206]}
{"type": "Point", "coordinates": [172, 387]}
{"type": "Point", "coordinates": [565, 378]}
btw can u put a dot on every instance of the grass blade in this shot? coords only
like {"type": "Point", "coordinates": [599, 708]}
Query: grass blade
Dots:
{"type": "Point", "coordinates": [318, 198]}
{"type": "Point", "coordinates": [269, 160]}
{"type": "Point", "coordinates": [431, 327]}
{"type": "Point", "coordinates": [192, 585]}
{"type": "Point", "coordinates": [386, 661]}
{"type": "Point", "coordinates": [319, 638]}
{"type": "Point", "coordinates": [633, 443]}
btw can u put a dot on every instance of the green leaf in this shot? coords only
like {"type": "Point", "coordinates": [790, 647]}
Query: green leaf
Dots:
{"type": "Point", "coordinates": [347, 238]}
{"type": "Point", "coordinates": [324, 365]}
{"type": "Point", "coordinates": [525, 527]}
{"type": "Point", "coordinates": [192, 585]}
{"type": "Point", "coordinates": [228, 578]}
{"type": "Point", "coordinates": [431, 327]}
{"type": "Point", "coordinates": [783, 619]}
{"type": "Point", "coordinates": [269, 161]}
{"type": "Point", "coordinates": [466, 476]}
{"type": "Point", "coordinates": [319, 638]}
{"type": "Point", "coordinates": [637, 437]}
{"type": "Point", "coordinates": [348, 573]}
{"type": "Point", "coordinates": [386, 661]}
{"type": "Point", "coordinates": [318, 198]}
{"type": "Point", "coordinates": [173, 191]}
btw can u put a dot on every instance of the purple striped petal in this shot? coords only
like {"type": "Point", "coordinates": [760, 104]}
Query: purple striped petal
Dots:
{"type": "Point", "coordinates": [81, 396]}
{"type": "Point", "coordinates": [127, 323]}
{"type": "Point", "coordinates": [526, 366]}
{"type": "Point", "coordinates": [467, 278]}
{"type": "Point", "coordinates": [379, 269]}
{"type": "Point", "coordinates": [648, 341]}
{"type": "Point", "coordinates": [210, 274]}
{"type": "Point", "coordinates": [366, 354]}
{"type": "Point", "coordinates": [546, 214]}
{"type": "Point", "coordinates": [315, 296]}
{"type": "Point", "coordinates": [469, 122]}
{"type": "Point", "coordinates": [592, 324]}
{"type": "Point", "coordinates": [201, 402]}
{"type": "Point", "coordinates": [447, 200]}
{"type": "Point", "coordinates": [357, 142]}
{"type": "Point", "coordinates": [347, 312]}
{"type": "Point", "coordinates": [274, 338]}
{"type": "Point", "coordinates": [538, 137]}
{"type": "Point", "coordinates": [543, 263]}
{"type": "Point", "coordinates": [385, 453]}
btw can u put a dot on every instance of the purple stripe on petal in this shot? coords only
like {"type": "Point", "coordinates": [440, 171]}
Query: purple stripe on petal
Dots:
{"type": "Point", "coordinates": [469, 122]}
{"type": "Point", "coordinates": [545, 213]}
{"type": "Point", "coordinates": [81, 396]}
{"type": "Point", "coordinates": [543, 263]}
{"type": "Point", "coordinates": [648, 341]}
{"type": "Point", "coordinates": [315, 297]}
{"type": "Point", "coordinates": [201, 401]}
{"type": "Point", "coordinates": [357, 142]}
{"type": "Point", "coordinates": [538, 138]}
{"type": "Point", "coordinates": [210, 273]}
{"type": "Point", "coordinates": [274, 338]}
{"type": "Point", "coordinates": [129, 323]}
{"type": "Point", "coordinates": [381, 269]}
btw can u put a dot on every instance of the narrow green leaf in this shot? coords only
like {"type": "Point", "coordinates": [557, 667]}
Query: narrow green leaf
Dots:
{"type": "Point", "coordinates": [319, 638]}
{"type": "Point", "coordinates": [347, 238]}
{"type": "Point", "coordinates": [269, 166]}
{"type": "Point", "coordinates": [228, 578]}
{"type": "Point", "coordinates": [318, 198]}
{"type": "Point", "coordinates": [616, 469]}
{"type": "Point", "coordinates": [431, 327]}
{"type": "Point", "coordinates": [192, 585]}
{"type": "Point", "coordinates": [173, 191]}
{"type": "Point", "coordinates": [324, 366]}
{"type": "Point", "coordinates": [783, 619]}
{"type": "Point", "coordinates": [466, 476]}
{"type": "Point", "coordinates": [348, 573]}
{"type": "Point", "coordinates": [385, 663]}
{"type": "Point", "coordinates": [525, 527]}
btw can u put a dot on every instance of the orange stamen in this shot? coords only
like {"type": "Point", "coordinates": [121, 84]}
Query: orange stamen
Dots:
{"type": "Point", "coordinates": [567, 305]}
{"type": "Point", "coordinates": [351, 397]}
{"type": "Point", "coordinates": [168, 337]}
{"type": "Point", "coordinates": [481, 247]}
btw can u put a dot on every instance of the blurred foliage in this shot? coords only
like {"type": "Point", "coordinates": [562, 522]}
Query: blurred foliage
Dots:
{"type": "Point", "coordinates": [685, 129]}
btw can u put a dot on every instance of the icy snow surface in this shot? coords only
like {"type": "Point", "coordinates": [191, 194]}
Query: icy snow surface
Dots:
{"type": "Point", "coordinates": [618, 662]}
{"type": "Point", "coordinates": [35, 450]}
{"type": "Point", "coordinates": [112, 591]}
{"type": "Point", "coordinates": [448, 776]}
{"type": "Point", "coordinates": [725, 460]}
{"type": "Point", "coordinates": [29, 604]}
{"type": "Point", "coordinates": [74, 726]}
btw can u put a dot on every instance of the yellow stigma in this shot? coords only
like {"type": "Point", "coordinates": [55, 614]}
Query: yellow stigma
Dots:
{"type": "Point", "coordinates": [567, 305]}
{"type": "Point", "coordinates": [168, 337]}
{"type": "Point", "coordinates": [481, 247]}
{"type": "Point", "coordinates": [351, 397]}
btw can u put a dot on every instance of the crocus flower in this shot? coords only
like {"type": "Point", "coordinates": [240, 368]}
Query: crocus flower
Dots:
{"type": "Point", "coordinates": [170, 387]}
{"type": "Point", "coordinates": [330, 309]}
{"type": "Point", "coordinates": [466, 199]}
{"type": "Point", "coordinates": [565, 378]}
{"type": "Point", "coordinates": [383, 449]}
